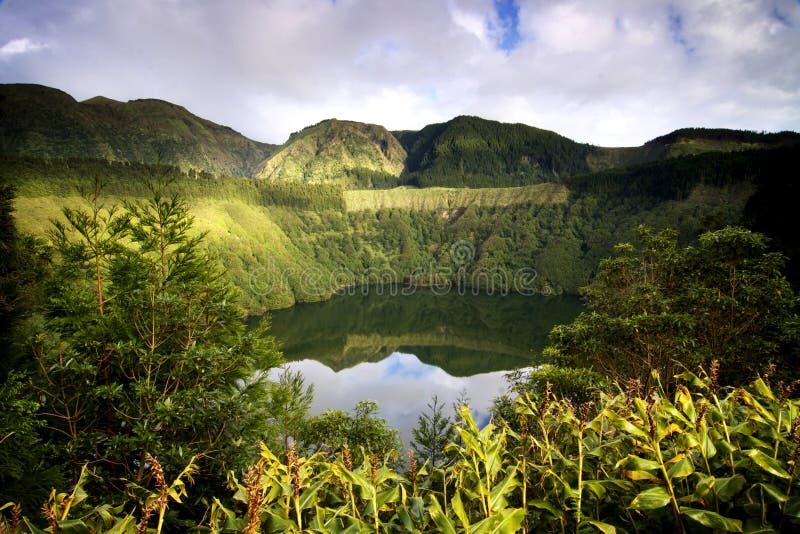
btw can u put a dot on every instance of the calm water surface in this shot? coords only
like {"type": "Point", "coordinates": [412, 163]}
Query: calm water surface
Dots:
{"type": "Point", "coordinates": [401, 350]}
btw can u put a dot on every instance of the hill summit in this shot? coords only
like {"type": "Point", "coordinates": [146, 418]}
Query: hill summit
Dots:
{"type": "Point", "coordinates": [47, 123]}
{"type": "Point", "coordinates": [466, 151]}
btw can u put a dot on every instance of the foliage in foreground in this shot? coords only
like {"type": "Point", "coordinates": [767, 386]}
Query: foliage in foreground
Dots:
{"type": "Point", "coordinates": [702, 460]}
{"type": "Point", "coordinates": [658, 306]}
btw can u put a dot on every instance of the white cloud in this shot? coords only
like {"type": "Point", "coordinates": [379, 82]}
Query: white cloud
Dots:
{"type": "Point", "coordinates": [402, 386]}
{"type": "Point", "coordinates": [17, 47]}
{"type": "Point", "coordinates": [601, 71]}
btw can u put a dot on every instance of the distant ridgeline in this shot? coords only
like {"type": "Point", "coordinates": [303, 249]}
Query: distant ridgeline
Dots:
{"type": "Point", "coordinates": [531, 210]}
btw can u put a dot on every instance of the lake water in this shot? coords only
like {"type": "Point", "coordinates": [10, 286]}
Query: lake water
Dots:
{"type": "Point", "coordinates": [401, 350]}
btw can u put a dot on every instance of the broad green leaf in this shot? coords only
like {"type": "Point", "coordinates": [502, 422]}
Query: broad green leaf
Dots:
{"type": "Point", "coordinates": [405, 518]}
{"type": "Point", "coordinates": [309, 495]}
{"type": "Point", "coordinates": [73, 526]}
{"type": "Point", "coordinates": [280, 524]}
{"type": "Point", "coordinates": [665, 430]}
{"type": "Point", "coordinates": [774, 493]}
{"type": "Point", "coordinates": [683, 399]}
{"type": "Point", "coordinates": [625, 425]}
{"type": "Point", "coordinates": [33, 529]}
{"type": "Point", "coordinates": [472, 444]}
{"type": "Point", "coordinates": [707, 443]}
{"type": "Point", "coordinates": [753, 525]}
{"type": "Point", "coordinates": [636, 463]}
{"type": "Point", "coordinates": [544, 505]}
{"type": "Point", "coordinates": [466, 416]}
{"type": "Point", "coordinates": [792, 508]}
{"type": "Point", "coordinates": [767, 463]}
{"type": "Point", "coordinates": [763, 389]}
{"type": "Point", "coordinates": [595, 488]}
{"type": "Point", "coordinates": [458, 508]}
{"type": "Point", "coordinates": [605, 528]}
{"type": "Point", "coordinates": [725, 488]}
{"type": "Point", "coordinates": [124, 525]}
{"type": "Point", "coordinates": [442, 521]}
{"type": "Point", "coordinates": [417, 508]}
{"type": "Point", "coordinates": [503, 488]}
{"type": "Point", "coordinates": [682, 469]}
{"type": "Point", "coordinates": [506, 522]}
{"type": "Point", "coordinates": [692, 379]}
{"type": "Point", "coordinates": [390, 495]}
{"type": "Point", "coordinates": [711, 519]}
{"type": "Point", "coordinates": [510, 521]}
{"type": "Point", "coordinates": [651, 499]}
{"type": "Point", "coordinates": [79, 494]}
{"type": "Point", "coordinates": [639, 475]}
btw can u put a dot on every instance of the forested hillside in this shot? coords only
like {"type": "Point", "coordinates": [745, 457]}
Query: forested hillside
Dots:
{"type": "Point", "coordinates": [466, 151]}
{"type": "Point", "coordinates": [474, 152]}
{"type": "Point", "coordinates": [41, 122]}
{"type": "Point", "coordinates": [284, 242]}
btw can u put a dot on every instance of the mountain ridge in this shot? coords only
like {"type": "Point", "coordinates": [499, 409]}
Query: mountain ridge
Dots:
{"type": "Point", "coordinates": [466, 151]}
{"type": "Point", "coordinates": [44, 122]}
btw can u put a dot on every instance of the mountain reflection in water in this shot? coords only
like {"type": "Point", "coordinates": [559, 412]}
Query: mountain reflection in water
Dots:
{"type": "Point", "coordinates": [400, 350]}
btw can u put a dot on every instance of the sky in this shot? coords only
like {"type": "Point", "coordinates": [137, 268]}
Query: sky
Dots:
{"type": "Point", "coordinates": [402, 386]}
{"type": "Point", "coordinates": [612, 73]}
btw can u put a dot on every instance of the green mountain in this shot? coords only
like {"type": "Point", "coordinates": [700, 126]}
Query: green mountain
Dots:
{"type": "Point", "coordinates": [350, 152]}
{"type": "Point", "coordinates": [283, 242]}
{"type": "Point", "coordinates": [688, 142]}
{"type": "Point", "coordinates": [42, 122]}
{"type": "Point", "coordinates": [301, 232]}
{"type": "Point", "coordinates": [466, 151]}
{"type": "Point", "coordinates": [475, 152]}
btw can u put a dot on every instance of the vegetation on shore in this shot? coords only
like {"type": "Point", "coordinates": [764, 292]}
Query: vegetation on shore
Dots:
{"type": "Point", "coordinates": [669, 405]}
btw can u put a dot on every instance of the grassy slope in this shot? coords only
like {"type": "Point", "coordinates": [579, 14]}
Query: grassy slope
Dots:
{"type": "Point", "coordinates": [278, 255]}
{"type": "Point", "coordinates": [263, 261]}
{"type": "Point", "coordinates": [443, 198]}
{"type": "Point", "coordinates": [332, 149]}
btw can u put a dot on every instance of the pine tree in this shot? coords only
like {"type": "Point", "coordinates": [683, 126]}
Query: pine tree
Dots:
{"type": "Point", "coordinates": [145, 350]}
{"type": "Point", "coordinates": [433, 432]}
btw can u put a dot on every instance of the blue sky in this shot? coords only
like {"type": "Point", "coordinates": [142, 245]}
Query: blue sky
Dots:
{"type": "Point", "coordinates": [404, 390]}
{"type": "Point", "coordinates": [606, 72]}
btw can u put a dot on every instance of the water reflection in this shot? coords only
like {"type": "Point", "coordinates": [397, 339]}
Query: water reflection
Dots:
{"type": "Point", "coordinates": [402, 385]}
{"type": "Point", "coordinates": [402, 350]}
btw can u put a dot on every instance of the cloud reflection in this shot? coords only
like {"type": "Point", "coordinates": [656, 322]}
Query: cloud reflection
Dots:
{"type": "Point", "coordinates": [401, 385]}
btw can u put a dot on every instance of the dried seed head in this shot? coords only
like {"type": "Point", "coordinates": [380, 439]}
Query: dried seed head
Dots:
{"type": "Point", "coordinates": [701, 413]}
{"type": "Point", "coordinates": [348, 461]}
{"type": "Point", "coordinates": [161, 482]}
{"type": "Point", "coordinates": [16, 516]}
{"type": "Point", "coordinates": [252, 483]}
{"type": "Point", "coordinates": [569, 406]}
{"type": "Point", "coordinates": [788, 390]}
{"type": "Point", "coordinates": [373, 462]}
{"type": "Point", "coordinates": [713, 373]}
{"type": "Point", "coordinates": [412, 463]}
{"type": "Point", "coordinates": [633, 389]}
{"type": "Point", "coordinates": [545, 400]}
{"type": "Point", "coordinates": [584, 410]}
{"type": "Point", "coordinates": [650, 405]}
{"type": "Point", "coordinates": [141, 526]}
{"type": "Point", "coordinates": [50, 515]}
{"type": "Point", "coordinates": [794, 434]}
{"type": "Point", "coordinates": [523, 424]}
{"type": "Point", "coordinates": [768, 373]}
{"type": "Point", "coordinates": [294, 469]}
